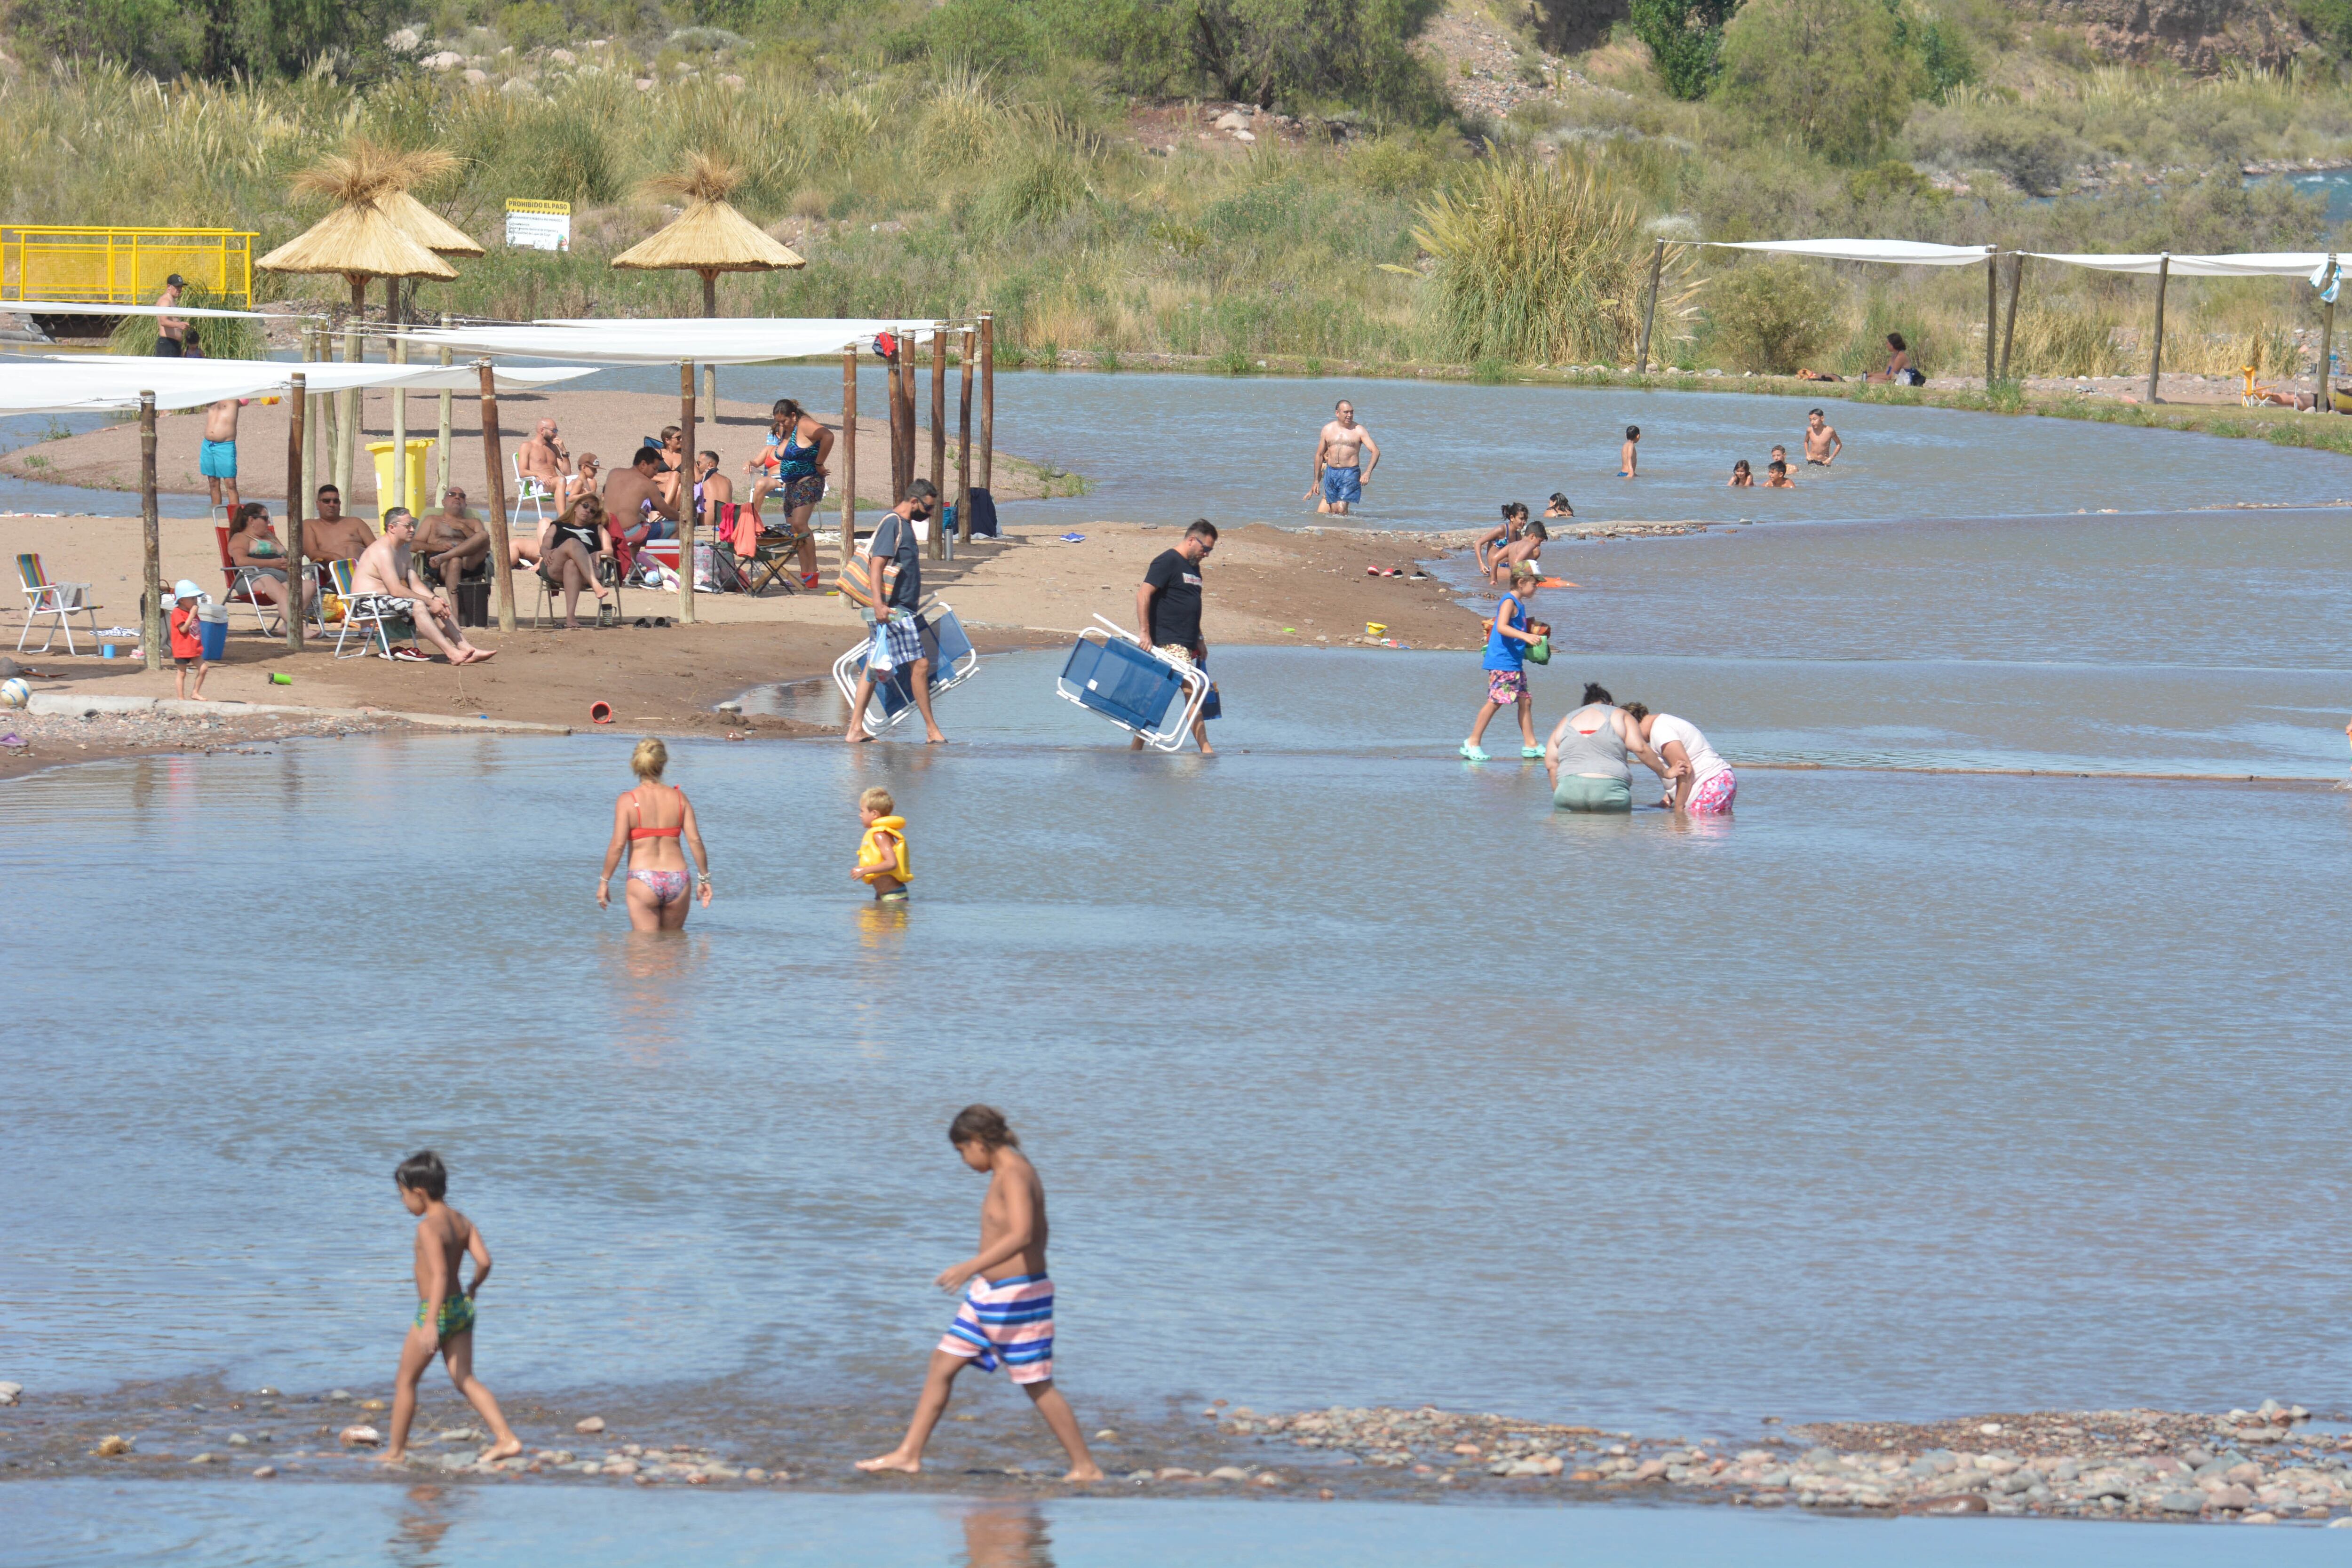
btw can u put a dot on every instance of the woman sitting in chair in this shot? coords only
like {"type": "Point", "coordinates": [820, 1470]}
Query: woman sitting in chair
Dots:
{"type": "Point", "coordinates": [571, 548]}
{"type": "Point", "coordinates": [255, 547]}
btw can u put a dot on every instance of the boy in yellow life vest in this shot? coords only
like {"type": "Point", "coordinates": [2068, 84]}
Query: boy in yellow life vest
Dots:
{"type": "Point", "coordinates": [882, 854]}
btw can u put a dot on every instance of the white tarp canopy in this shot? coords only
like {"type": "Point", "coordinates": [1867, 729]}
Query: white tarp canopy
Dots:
{"type": "Point", "coordinates": [1896, 252]}
{"type": "Point", "coordinates": [2244, 264]}
{"type": "Point", "coordinates": [722, 340]}
{"type": "Point", "coordinates": [89, 383]}
{"type": "Point", "coordinates": [84, 308]}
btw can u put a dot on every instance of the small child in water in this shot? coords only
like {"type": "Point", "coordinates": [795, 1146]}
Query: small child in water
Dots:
{"type": "Point", "coordinates": [1776, 478]}
{"type": "Point", "coordinates": [1742, 475]}
{"type": "Point", "coordinates": [445, 1311]}
{"type": "Point", "coordinates": [882, 854]}
{"type": "Point", "coordinates": [1626, 460]}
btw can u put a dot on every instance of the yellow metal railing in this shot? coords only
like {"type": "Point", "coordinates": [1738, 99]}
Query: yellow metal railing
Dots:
{"type": "Point", "coordinates": [122, 266]}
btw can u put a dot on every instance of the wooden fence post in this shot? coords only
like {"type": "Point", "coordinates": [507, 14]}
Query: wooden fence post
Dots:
{"type": "Point", "coordinates": [686, 509]}
{"type": "Point", "coordinates": [294, 520]}
{"type": "Point", "coordinates": [987, 401]}
{"type": "Point", "coordinates": [2009, 321]}
{"type": "Point", "coordinates": [501, 569]}
{"type": "Point", "coordinates": [938, 443]}
{"type": "Point", "coordinates": [150, 623]}
{"type": "Point", "coordinates": [963, 442]}
{"type": "Point", "coordinates": [1650, 311]}
{"type": "Point", "coordinates": [2155, 351]}
{"type": "Point", "coordinates": [847, 446]}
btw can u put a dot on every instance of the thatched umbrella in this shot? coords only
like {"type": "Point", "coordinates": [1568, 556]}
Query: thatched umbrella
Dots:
{"type": "Point", "coordinates": [710, 236]}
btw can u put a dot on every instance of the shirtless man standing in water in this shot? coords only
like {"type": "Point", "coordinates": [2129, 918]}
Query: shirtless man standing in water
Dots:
{"type": "Point", "coordinates": [1008, 1311]}
{"type": "Point", "coordinates": [1822, 443]}
{"type": "Point", "coordinates": [1336, 474]}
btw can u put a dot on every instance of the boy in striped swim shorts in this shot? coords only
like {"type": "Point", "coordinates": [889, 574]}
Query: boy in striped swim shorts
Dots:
{"type": "Point", "coordinates": [1007, 1315]}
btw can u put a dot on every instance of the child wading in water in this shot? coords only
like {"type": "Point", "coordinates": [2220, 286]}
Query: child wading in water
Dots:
{"type": "Point", "coordinates": [882, 853]}
{"type": "Point", "coordinates": [1007, 1314]}
{"type": "Point", "coordinates": [445, 1314]}
{"type": "Point", "coordinates": [1629, 460]}
{"type": "Point", "coordinates": [1506, 666]}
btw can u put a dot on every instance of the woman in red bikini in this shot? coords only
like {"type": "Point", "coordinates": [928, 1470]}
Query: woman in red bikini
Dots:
{"type": "Point", "coordinates": [651, 822]}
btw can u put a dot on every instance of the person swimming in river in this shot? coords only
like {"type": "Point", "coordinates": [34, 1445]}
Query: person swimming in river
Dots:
{"type": "Point", "coordinates": [651, 823]}
{"type": "Point", "coordinates": [882, 860]}
{"type": "Point", "coordinates": [1516, 542]}
{"type": "Point", "coordinates": [444, 1308]}
{"type": "Point", "coordinates": [1742, 475]}
{"type": "Point", "coordinates": [1775, 476]}
{"type": "Point", "coordinates": [1628, 460]}
{"type": "Point", "coordinates": [1557, 507]}
{"type": "Point", "coordinates": [1007, 1315]}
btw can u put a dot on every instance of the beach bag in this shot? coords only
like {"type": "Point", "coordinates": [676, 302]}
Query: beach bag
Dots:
{"type": "Point", "coordinates": [1538, 652]}
{"type": "Point", "coordinates": [856, 581]}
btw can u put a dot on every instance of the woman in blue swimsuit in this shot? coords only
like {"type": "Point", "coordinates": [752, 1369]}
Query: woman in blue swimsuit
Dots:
{"type": "Point", "coordinates": [797, 447]}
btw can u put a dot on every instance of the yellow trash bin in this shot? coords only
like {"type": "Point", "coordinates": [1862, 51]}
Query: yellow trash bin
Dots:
{"type": "Point", "coordinates": [419, 502]}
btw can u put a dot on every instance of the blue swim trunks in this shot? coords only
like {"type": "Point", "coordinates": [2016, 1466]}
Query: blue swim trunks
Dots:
{"type": "Point", "coordinates": [217, 460]}
{"type": "Point", "coordinates": [1343, 485]}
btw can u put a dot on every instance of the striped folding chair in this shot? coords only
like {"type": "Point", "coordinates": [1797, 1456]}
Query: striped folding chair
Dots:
{"type": "Point", "coordinates": [56, 600]}
{"type": "Point", "coordinates": [365, 614]}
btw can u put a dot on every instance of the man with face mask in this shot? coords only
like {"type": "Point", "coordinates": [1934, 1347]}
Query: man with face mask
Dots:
{"type": "Point", "coordinates": [898, 639]}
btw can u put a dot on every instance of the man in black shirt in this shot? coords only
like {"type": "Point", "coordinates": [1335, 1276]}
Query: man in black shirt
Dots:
{"type": "Point", "coordinates": [1168, 608]}
{"type": "Point", "coordinates": [897, 637]}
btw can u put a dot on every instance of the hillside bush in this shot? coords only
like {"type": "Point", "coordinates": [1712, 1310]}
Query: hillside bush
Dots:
{"type": "Point", "coordinates": [1828, 73]}
{"type": "Point", "coordinates": [1771, 317]}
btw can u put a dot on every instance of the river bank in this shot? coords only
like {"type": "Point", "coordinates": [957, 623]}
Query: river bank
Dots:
{"type": "Point", "coordinates": [2261, 1467]}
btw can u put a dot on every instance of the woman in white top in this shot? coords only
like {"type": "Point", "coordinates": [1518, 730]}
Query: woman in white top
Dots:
{"type": "Point", "coordinates": [1586, 759]}
{"type": "Point", "coordinates": [1708, 787]}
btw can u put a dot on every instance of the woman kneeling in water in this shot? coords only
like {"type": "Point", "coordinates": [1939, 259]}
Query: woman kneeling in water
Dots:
{"type": "Point", "coordinates": [1708, 788]}
{"type": "Point", "coordinates": [650, 821]}
{"type": "Point", "coordinates": [1586, 756]}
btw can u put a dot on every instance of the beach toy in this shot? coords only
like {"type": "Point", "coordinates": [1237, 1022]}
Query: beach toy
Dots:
{"type": "Point", "coordinates": [1074, 539]}
{"type": "Point", "coordinates": [280, 678]}
{"type": "Point", "coordinates": [1376, 628]}
{"type": "Point", "coordinates": [15, 693]}
{"type": "Point", "coordinates": [600, 712]}
{"type": "Point", "coordinates": [106, 651]}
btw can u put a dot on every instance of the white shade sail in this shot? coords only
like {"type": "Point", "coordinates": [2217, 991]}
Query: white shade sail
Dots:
{"type": "Point", "coordinates": [724, 339]}
{"type": "Point", "coordinates": [2243, 264]}
{"type": "Point", "coordinates": [84, 308]}
{"type": "Point", "coordinates": [98, 382]}
{"type": "Point", "coordinates": [1896, 252]}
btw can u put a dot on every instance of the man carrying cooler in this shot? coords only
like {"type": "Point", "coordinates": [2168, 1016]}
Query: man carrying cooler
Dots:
{"type": "Point", "coordinates": [1168, 610]}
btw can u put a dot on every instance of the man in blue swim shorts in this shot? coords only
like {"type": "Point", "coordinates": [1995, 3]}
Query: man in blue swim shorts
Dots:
{"type": "Point", "coordinates": [217, 459]}
{"type": "Point", "coordinates": [1338, 451]}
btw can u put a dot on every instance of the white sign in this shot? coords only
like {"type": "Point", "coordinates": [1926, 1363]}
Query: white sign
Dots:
{"type": "Point", "coordinates": [538, 225]}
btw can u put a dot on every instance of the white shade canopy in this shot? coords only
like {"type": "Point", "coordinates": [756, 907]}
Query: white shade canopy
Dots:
{"type": "Point", "coordinates": [2242, 264]}
{"type": "Point", "coordinates": [85, 308]}
{"type": "Point", "coordinates": [1898, 252]}
{"type": "Point", "coordinates": [706, 340]}
{"type": "Point", "coordinates": [96, 383]}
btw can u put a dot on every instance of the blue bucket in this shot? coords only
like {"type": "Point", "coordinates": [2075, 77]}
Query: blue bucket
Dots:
{"type": "Point", "coordinates": [212, 629]}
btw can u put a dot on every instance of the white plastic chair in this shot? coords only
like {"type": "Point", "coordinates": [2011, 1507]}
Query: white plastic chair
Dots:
{"type": "Point", "coordinates": [59, 600]}
{"type": "Point", "coordinates": [370, 614]}
{"type": "Point", "coordinates": [527, 493]}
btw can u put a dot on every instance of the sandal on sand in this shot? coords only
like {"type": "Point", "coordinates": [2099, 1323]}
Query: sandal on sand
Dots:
{"type": "Point", "coordinates": [1471, 754]}
{"type": "Point", "coordinates": [1532, 753]}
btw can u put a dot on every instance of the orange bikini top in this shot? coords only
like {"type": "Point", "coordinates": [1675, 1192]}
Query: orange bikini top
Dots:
{"type": "Point", "coordinates": [636, 803]}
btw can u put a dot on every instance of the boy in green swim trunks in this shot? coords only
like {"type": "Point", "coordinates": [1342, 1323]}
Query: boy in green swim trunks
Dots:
{"type": "Point", "coordinates": [444, 1314]}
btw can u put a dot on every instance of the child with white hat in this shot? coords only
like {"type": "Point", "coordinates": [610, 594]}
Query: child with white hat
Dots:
{"type": "Point", "coordinates": [187, 640]}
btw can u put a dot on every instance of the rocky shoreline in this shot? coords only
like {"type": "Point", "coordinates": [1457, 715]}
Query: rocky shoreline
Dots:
{"type": "Point", "coordinates": [2271, 1465]}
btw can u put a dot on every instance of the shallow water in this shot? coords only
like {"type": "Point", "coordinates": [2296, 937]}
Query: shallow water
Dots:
{"type": "Point", "coordinates": [202, 1525]}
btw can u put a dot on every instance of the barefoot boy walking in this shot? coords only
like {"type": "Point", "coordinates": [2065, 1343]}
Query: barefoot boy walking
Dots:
{"type": "Point", "coordinates": [445, 1314]}
{"type": "Point", "coordinates": [1008, 1309]}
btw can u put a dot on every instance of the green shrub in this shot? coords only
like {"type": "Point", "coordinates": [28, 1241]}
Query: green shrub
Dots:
{"type": "Point", "coordinates": [1771, 316]}
{"type": "Point", "coordinates": [1685, 39]}
{"type": "Point", "coordinates": [1828, 73]}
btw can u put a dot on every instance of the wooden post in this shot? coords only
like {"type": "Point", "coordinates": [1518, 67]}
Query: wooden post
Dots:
{"type": "Point", "coordinates": [686, 509]}
{"type": "Point", "coordinates": [151, 624]}
{"type": "Point", "coordinates": [347, 428]}
{"type": "Point", "coordinates": [963, 441]}
{"type": "Point", "coordinates": [2326, 404]}
{"type": "Point", "coordinates": [294, 519]}
{"type": "Point", "coordinates": [400, 496]}
{"type": "Point", "coordinates": [987, 401]}
{"type": "Point", "coordinates": [1650, 309]}
{"type": "Point", "coordinates": [321, 431]}
{"type": "Point", "coordinates": [2009, 321]}
{"type": "Point", "coordinates": [314, 423]}
{"type": "Point", "coordinates": [501, 571]}
{"type": "Point", "coordinates": [2156, 352]}
{"type": "Point", "coordinates": [938, 442]}
{"type": "Point", "coordinates": [898, 437]}
{"type": "Point", "coordinates": [845, 450]}
{"type": "Point", "coordinates": [710, 372]}
{"type": "Point", "coordinates": [1993, 314]}
{"type": "Point", "coordinates": [441, 458]}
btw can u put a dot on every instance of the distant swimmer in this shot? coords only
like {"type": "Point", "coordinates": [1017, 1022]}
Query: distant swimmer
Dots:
{"type": "Point", "coordinates": [1518, 541]}
{"type": "Point", "coordinates": [1742, 477]}
{"type": "Point", "coordinates": [1628, 460]}
{"type": "Point", "coordinates": [1776, 478]}
{"type": "Point", "coordinates": [1007, 1315]}
{"type": "Point", "coordinates": [1340, 471]}
{"type": "Point", "coordinates": [1709, 786]}
{"type": "Point", "coordinates": [1557, 507]}
{"type": "Point", "coordinates": [1822, 443]}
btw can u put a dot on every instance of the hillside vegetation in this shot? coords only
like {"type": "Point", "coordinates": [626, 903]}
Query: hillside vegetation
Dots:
{"type": "Point", "coordinates": [1390, 200]}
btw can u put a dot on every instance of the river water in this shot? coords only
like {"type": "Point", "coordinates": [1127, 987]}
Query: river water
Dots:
{"type": "Point", "coordinates": [1356, 1073]}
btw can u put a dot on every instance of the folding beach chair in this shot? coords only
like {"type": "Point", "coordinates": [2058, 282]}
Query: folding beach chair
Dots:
{"type": "Point", "coordinates": [240, 580]}
{"type": "Point", "coordinates": [608, 572]}
{"type": "Point", "coordinates": [369, 618]}
{"type": "Point", "coordinates": [527, 493]}
{"type": "Point", "coordinates": [953, 662]}
{"type": "Point", "coordinates": [766, 567]}
{"type": "Point", "coordinates": [56, 600]}
{"type": "Point", "coordinates": [1111, 672]}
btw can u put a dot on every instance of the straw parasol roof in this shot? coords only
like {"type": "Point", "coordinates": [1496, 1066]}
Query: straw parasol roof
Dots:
{"type": "Point", "coordinates": [710, 236]}
{"type": "Point", "coordinates": [360, 238]}
{"type": "Point", "coordinates": [429, 228]}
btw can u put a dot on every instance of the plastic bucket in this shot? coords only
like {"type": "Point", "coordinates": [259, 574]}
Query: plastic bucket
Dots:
{"type": "Point", "coordinates": [212, 629]}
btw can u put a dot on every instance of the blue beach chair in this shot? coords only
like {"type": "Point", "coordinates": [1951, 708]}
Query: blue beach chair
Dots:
{"type": "Point", "coordinates": [1112, 673]}
{"type": "Point", "coordinates": [953, 661]}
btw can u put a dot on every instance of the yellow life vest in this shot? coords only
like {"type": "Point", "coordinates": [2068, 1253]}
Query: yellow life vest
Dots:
{"type": "Point", "coordinates": [873, 863]}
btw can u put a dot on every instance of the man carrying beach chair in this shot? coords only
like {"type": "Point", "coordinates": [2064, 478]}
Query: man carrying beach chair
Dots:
{"type": "Point", "coordinates": [1168, 608]}
{"type": "Point", "coordinates": [892, 592]}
